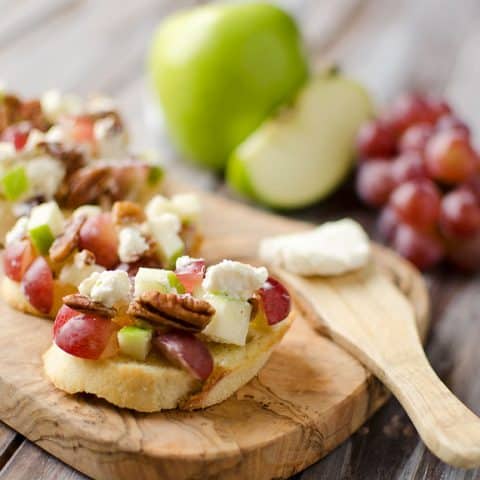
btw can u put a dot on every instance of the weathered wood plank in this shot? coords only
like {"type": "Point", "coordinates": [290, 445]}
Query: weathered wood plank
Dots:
{"type": "Point", "coordinates": [9, 440]}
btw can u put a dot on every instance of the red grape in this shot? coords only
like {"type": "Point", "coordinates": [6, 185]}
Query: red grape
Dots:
{"type": "Point", "coordinates": [275, 300]}
{"type": "Point", "coordinates": [375, 140]}
{"type": "Point", "coordinates": [465, 253]}
{"type": "Point", "coordinates": [17, 134]}
{"type": "Point", "coordinates": [423, 249]}
{"type": "Point", "coordinates": [473, 185]}
{"type": "Point", "coordinates": [387, 223]}
{"type": "Point", "coordinates": [450, 158]}
{"type": "Point", "coordinates": [460, 213]}
{"type": "Point", "coordinates": [17, 257]}
{"type": "Point", "coordinates": [83, 335]}
{"type": "Point", "coordinates": [415, 138]}
{"type": "Point", "coordinates": [408, 166]}
{"type": "Point", "coordinates": [38, 285]}
{"type": "Point", "coordinates": [98, 235]}
{"type": "Point", "coordinates": [451, 122]}
{"type": "Point", "coordinates": [407, 110]}
{"type": "Point", "coordinates": [191, 274]}
{"type": "Point", "coordinates": [186, 351]}
{"type": "Point", "coordinates": [82, 129]}
{"type": "Point", "coordinates": [437, 108]}
{"type": "Point", "coordinates": [417, 203]}
{"type": "Point", "coordinates": [375, 182]}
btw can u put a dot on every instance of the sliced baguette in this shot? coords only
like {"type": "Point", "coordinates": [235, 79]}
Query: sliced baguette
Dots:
{"type": "Point", "coordinates": [156, 384]}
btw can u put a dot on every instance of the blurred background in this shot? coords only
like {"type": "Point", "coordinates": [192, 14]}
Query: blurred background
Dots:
{"type": "Point", "coordinates": [84, 46]}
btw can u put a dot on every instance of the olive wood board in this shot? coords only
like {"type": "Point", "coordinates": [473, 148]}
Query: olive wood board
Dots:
{"type": "Point", "coordinates": [310, 396]}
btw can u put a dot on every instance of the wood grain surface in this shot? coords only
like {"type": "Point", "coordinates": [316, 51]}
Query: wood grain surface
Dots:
{"type": "Point", "coordinates": [310, 396]}
{"type": "Point", "coordinates": [80, 45]}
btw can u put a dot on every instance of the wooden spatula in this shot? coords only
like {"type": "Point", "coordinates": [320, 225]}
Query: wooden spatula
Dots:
{"type": "Point", "coordinates": [366, 314]}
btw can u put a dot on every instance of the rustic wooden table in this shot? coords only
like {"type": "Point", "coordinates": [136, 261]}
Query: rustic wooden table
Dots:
{"type": "Point", "coordinates": [84, 46]}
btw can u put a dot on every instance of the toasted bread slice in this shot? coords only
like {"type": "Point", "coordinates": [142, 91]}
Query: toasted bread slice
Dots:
{"type": "Point", "coordinates": [156, 384]}
{"type": "Point", "coordinates": [12, 293]}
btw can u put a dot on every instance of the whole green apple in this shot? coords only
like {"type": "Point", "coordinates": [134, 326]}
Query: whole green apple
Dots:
{"type": "Point", "coordinates": [220, 70]}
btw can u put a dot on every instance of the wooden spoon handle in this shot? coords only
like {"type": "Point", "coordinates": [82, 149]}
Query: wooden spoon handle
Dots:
{"type": "Point", "coordinates": [448, 428]}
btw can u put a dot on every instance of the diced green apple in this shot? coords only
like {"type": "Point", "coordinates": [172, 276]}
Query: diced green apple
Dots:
{"type": "Point", "coordinates": [45, 224]}
{"type": "Point", "coordinates": [155, 174]}
{"type": "Point", "coordinates": [231, 319]}
{"type": "Point", "coordinates": [15, 183]}
{"type": "Point", "coordinates": [157, 279]}
{"type": "Point", "coordinates": [170, 245]}
{"type": "Point", "coordinates": [301, 155]}
{"type": "Point", "coordinates": [135, 342]}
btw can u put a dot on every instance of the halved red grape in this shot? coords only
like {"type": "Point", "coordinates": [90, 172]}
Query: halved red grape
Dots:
{"type": "Point", "coordinates": [473, 185]}
{"type": "Point", "coordinates": [451, 122]}
{"type": "Point", "coordinates": [98, 235]}
{"type": "Point", "coordinates": [450, 158]}
{"type": "Point", "coordinates": [387, 223]}
{"type": "Point", "coordinates": [17, 257]}
{"type": "Point", "coordinates": [276, 301]}
{"type": "Point", "coordinates": [375, 182]}
{"type": "Point", "coordinates": [186, 351]}
{"type": "Point", "coordinates": [375, 140]}
{"type": "Point", "coordinates": [191, 274]}
{"type": "Point", "coordinates": [423, 249]}
{"type": "Point", "coordinates": [460, 213]}
{"type": "Point", "coordinates": [38, 285]}
{"type": "Point", "coordinates": [415, 138]}
{"type": "Point", "coordinates": [83, 335]}
{"type": "Point", "coordinates": [17, 134]}
{"type": "Point", "coordinates": [417, 203]}
{"type": "Point", "coordinates": [437, 108]}
{"type": "Point", "coordinates": [408, 166]}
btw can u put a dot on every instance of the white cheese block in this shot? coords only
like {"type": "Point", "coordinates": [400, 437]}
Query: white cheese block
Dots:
{"type": "Point", "coordinates": [333, 248]}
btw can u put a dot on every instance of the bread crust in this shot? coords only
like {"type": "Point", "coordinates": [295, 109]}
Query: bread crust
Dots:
{"type": "Point", "coordinates": [157, 385]}
{"type": "Point", "coordinates": [12, 293]}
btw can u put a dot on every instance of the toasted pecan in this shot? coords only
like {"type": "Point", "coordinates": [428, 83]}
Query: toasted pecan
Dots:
{"type": "Point", "coordinates": [171, 310]}
{"type": "Point", "coordinates": [85, 304]}
{"type": "Point", "coordinates": [67, 242]}
{"type": "Point", "coordinates": [87, 184]}
{"type": "Point", "coordinates": [127, 212]}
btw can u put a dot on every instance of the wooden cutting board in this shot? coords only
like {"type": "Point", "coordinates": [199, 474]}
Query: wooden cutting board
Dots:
{"type": "Point", "coordinates": [309, 397]}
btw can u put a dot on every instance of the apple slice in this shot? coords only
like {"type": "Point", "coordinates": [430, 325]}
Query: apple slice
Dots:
{"type": "Point", "coordinates": [186, 351]}
{"type": "Point", "coordinates": [304, 153]}
{"type": "Point", "coordinates": [38, 285]}
{"type": "Point", "coordinates": [231, 320]}
{"type": "Point", "coordinates": [157, 279]}
{"type": "Point", "coordinates": [46, 222]}
{"type": "Point", "coordinates": [15, 182]}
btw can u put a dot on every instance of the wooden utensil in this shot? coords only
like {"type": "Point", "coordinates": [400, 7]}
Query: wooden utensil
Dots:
{"type": "Point", "coordinates": [367, 315]}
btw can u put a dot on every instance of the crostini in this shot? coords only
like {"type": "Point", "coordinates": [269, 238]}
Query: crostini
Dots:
{"type": "Point", "coordinates": [186, 339]}
{"type": "Point", "coordinates": [48, 256]}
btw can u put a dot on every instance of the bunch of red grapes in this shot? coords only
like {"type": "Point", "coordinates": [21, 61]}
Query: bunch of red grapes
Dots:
{"type": "Point", "coordinates": [417, 163]}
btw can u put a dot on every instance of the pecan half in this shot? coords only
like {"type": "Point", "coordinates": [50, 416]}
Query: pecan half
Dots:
{"type": "Point", "coordinates": [67, 242]}
{"type": "Point", "coordinates": [72, 158]}
{"type": "Point", "coordinates": [171, 310]}
{"type": "Point", "coordinates": [85, 304]}
{"type": "Point", "coordinates": [87, 185]}
{"type": "Point", "coordinates": [127, 212]}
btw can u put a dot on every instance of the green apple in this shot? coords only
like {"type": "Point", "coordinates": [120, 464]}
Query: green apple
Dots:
{"type": "Point", "coordinates": [157, 279]}
{"type": "Point", "coordinates": [304, 152]}
{"type": "Point", "coordinates": [220, 70]}
{"type": "Point", "coordinates": [231, 320]}
{"type": "Point", "coordinates": [135, 341]}
{"type": "Point", "coordinates": [169, 244]}
{"type": "Point", "coordinates": [45, 224]}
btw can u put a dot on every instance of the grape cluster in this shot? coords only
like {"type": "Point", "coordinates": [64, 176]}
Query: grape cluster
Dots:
{"type": "Point", "coordinates": [417, 163]}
